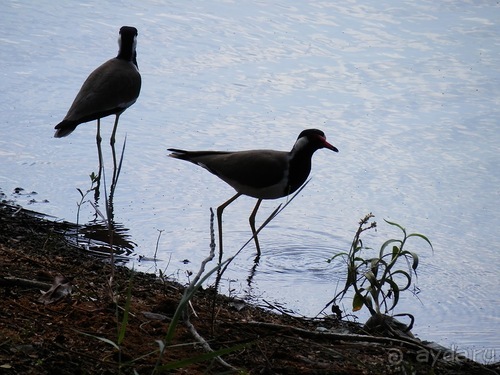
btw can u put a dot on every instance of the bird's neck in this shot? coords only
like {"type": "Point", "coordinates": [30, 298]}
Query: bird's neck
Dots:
{"type": "Point", "coordinates": [300, 166]}
{"type": "Point", "coordinates": [127, 51]}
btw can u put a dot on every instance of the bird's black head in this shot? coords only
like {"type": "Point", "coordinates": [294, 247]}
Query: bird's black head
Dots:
{"type": "Point", "coordinates": [127, 42]}
{"type": "Point", "coordinates": [316, 139]}
{"type": "Point", "coordinates": [128, 31]}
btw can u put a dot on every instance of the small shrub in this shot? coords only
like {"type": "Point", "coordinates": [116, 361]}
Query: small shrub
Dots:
{"type": "Point", "coordinates": [378, 281]}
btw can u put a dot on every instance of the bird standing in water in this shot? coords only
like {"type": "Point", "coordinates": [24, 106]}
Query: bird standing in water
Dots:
{"type": "Point", "coordinates": [109, 90]}
{"type": "Point", "coordinates": [262, 174]}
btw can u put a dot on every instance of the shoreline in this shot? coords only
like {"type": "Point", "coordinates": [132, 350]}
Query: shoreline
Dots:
{"type": "Point", "coordinates": [65, 337]}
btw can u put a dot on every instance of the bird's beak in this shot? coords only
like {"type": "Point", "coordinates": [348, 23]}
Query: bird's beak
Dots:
{"type": "Point", "coordinates": [329, 146]}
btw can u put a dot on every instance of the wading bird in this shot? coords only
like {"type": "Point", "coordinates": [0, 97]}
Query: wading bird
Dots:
{"type": "Point", "coordinates": [262, 174]}
{"type": "Point", "coordinates": [109, 90]}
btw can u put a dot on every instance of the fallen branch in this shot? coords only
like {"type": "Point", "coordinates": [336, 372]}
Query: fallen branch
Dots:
{"type": "Point", "coordinates": [411, 344]}
{"type": "Point", "coordinates": [11, 281]}
{"type": "Point", "coordinates": [205, 345]}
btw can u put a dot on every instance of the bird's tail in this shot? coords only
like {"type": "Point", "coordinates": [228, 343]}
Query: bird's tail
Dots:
{"type": "Point", "coordinates": [64, 128]}
{"type": "Point", "coordinates": [177, 153]}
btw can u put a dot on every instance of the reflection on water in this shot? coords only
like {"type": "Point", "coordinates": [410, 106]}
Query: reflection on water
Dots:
{"type": "Point", "coordinates": [408, 90]}
{"type": "Point", "coordinates": [99, 240]}
{"type": "Point", "coordinates": [95, 238]}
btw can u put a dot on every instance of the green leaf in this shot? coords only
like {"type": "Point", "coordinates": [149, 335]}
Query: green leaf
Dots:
{"type": "Point", "coordinates": [357, 302]}
{"type": "Point", "coordinates": [103, 339]}
{"type": "Point", "coordinates": [395, 252]}
{"type": "Point", "coordinates": [387, 243]}
{"type": "Point", "coordinates": [161, 344]}
{"type": "Point", "coordinates": [370, 276]}
{"type": "Point", "coordinates": [405, 274]}
{"type": "Point", "coordinates": [396, 225]}
{"type": "Point", "coordinates": [395, 292]}
{"type": "Point", "coordinates": [423, 237]}
{"type": "Point", "coordinates": [336, 256]}
{"type": "Point", "coordinates": [415, 261]}
{"type": "Point", "coordinates": [126, 310]}
{"type": "Point", "coordinates": [80, 191]}
{"type": "Point", "coordinates": [374, 266]}
{"type": "Point", "coordinates": [359, 259]}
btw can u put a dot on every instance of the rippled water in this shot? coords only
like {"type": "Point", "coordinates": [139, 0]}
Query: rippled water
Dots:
{"type": "Point", "coordinates": [409, 91]}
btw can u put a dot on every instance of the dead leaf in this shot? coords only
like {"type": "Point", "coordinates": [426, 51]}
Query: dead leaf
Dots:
{"type": "Point", "coordinates": [60, 289]}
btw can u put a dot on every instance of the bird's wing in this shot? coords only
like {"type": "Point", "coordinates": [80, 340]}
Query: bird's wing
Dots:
{"type": "Point", "coordinates": [255, 168]}
{"type": "Point", "coordinates": [111, 88]}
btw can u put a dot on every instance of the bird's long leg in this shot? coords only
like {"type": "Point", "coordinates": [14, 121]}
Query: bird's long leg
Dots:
{"type": "Point", "coordinates": [112, 144]}
{"type": "Point", "coordinates": [115, 166]}
{"type": "Point", "coordinates": [219, 220]}
{"type": "Point", "coordinates": [251, 219]}
{"type": "Point", "coordinates": [113, 134]}
{"type": "Point", "coordinates": [98, 140]}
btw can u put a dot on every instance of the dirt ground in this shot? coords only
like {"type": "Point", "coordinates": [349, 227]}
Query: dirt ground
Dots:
{"type": "Point", "coordinates": [68, 335]}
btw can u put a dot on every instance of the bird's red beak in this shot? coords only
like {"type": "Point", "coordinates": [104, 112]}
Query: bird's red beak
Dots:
{"type": "Point", "coordinates": [328, 145]}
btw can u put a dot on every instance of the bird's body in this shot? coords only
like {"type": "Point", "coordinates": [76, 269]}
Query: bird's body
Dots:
{"type": "Point", "coordinates": [262, 174]}
{"type": "Point", "coordinates": [109, 90]}
{"type": "Point", "coordinates": [256, 173]}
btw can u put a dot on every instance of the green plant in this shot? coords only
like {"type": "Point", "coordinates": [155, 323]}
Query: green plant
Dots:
{"type": "Point", "coordinates": [378, 281]}
{"type": "Point", "coordinates": [93, 186]}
